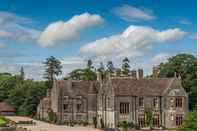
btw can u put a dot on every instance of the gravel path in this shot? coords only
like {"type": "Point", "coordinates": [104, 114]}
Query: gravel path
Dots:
{"type": "Point", "coordinates": [43, 126]}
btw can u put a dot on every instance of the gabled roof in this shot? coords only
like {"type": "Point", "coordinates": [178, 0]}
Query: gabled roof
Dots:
{"type": "Point", "coordinates": [122, 86]}
{"type": "Point", "coordinates": [141, 87]}
{"type": "Point", "coordinates": [78, 87]}
{"type": "Point", "coordinates": [6, 107]}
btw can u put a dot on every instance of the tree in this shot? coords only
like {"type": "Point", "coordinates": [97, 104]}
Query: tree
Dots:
{"type": "Point", "coordinates": [149, 117]}
{"type": "Point", "coordinates": [126, 125]}
{"type": "Point", "coordinates": [90, 64]}
{"type": "Point", "coordinates": [184, 65]}
{"type": "Point", "coordinates": [110, 67]}
{"type": "Point", "coordinates": [102, 71]}
{"type": "Point", "coordinates": [82, 74]}
{"type": "Point", "coordinates": [190, 122]}
{"type": "Point", "coordinates": [22, 74]}
{"type": "Point", "coordinates": [125, 66]}
{"type": "Point", "coordinates": [53, 68]}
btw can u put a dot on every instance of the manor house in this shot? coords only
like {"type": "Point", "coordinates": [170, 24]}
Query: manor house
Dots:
{"type": "Point", "coordinates": [117, 99]}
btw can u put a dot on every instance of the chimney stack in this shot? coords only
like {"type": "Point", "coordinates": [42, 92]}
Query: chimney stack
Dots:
{"type": "Point", "coordinates": [156, 72]}
{"type": "Point", "coordinates": [140, 73]}
{"type": "Point", "coordinates": [134, 74]}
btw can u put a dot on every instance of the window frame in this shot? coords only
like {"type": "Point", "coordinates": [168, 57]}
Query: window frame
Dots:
{"type": "Point", "coordinates": [141, 120]}
{"type": "Point", "coordinates": [179, 102]}
{"type": "Point", "coordinates": [156, 120]}
{"type": "Point", "coordinates": [155, 102]}
{"type": "Point", "coordinates": [179, 119]}
{"type": "Point", "coordinates": [124, 108]}
{"type": "Point", "coordinates": [141, 101]}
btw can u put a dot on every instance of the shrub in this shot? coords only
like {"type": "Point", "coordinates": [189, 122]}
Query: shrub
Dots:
{"type": "Point", "coordinates": [52, 116]}
{"type": "Point", "coordinates": [3, 121]}
{"type": "Point", "coordinates": [126, 125]}
{"type": "Point", "coordinates": [102, 123]}
{"type": "Point", "coordinates": [95, 122]}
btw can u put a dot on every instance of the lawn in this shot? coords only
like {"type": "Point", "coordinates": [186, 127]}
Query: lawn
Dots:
{"type": "Point", "coordinates": [3, 121]}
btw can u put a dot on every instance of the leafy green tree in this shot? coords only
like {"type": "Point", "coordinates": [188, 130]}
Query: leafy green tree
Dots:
{"type": "Point", "coordinates": [52, 116]}
{"type": "Point", "coordinates": [53, 68]}
{"type": "Point", "coordinates": [110, 67]}
{"type": "Point", "coordinates": [190, 122]}
{"type": "Point", "coordinates": [22, 74]}
{"type": "Point", "coordinates": [89, 74]}
{"type": "Point", "coordinates": [7, 83]}
{"type": "Point", "coordinates": [125, 66]}
{"type": "Point", "coordinates": [90, 64]}
{"type": "Point", "coordinates": [185, 65]}
{"type": "Point", "coordinates": [77, 74]}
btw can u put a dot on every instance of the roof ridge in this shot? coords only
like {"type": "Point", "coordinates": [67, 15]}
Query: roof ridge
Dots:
{"type": "Point", "coordinates": [172, 80]}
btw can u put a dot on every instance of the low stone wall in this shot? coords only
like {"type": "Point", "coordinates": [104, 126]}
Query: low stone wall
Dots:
{"type": "Point", "coordinates": [7, 129]}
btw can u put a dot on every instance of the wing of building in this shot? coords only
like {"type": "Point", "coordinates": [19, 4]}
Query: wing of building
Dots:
{"type": "Point", "coordinates": [117, 99]}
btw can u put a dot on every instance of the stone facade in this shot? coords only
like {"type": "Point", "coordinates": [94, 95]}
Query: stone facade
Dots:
{"type": "Point", "coordinates": [118, 99]}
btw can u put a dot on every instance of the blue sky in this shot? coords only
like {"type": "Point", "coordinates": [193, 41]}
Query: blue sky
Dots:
{"type": "Point", "coordinates": [148, 32]}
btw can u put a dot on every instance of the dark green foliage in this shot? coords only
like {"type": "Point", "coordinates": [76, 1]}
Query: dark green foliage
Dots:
{"type": "Point", "coordinates": [31, 122]}
{"type": "Point", "coordinates": [190, 122]}
{"type": "Point", "coordinates": [24, 95]}
{"type": "Point", "coordinates": [110, 67]}
{"type": "Point", "coordinates": [90, 64]}
{"type": "Point", "coordinates": [125, 66]}
{"type": "Point", "coordinates": [149, 117]}
{"type": "Point", "coordinates": [126, 125]}
{"type": "Point", "coordinates": [82, 74]}
{"type": "Point", "coordinates": [95, 122]}
{"type": "Point", "coordinates": [53, 68]}
{"type": "Point", "coordinates": [185, 66]}
{"type": "Point", "coordinates": [102, 123]}
{"type": "Point", "coordinates": [52, 116]}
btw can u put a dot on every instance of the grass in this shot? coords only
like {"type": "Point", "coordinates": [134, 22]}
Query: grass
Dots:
{"type": "Point", "coordinates": [3, 121]}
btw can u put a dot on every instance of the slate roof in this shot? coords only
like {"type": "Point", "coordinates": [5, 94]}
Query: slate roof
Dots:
{"type": "Point", "coordinates": [122, 86]}
{"type": "Point", "coordinates": [78, 87]}
{"type": "Point", "coordinates": [141, 87]}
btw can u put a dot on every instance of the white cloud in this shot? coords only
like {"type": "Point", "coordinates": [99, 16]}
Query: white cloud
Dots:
{"type": "Point", "coordinates": [148, 63]}
{"type": "Point", "coordinates": [134, 41]}
{"type": "Point", "coordinates": [34, 69]}
{"type": "Point", "coordinates": [131, 13]}
{"type": "Point", "coordinates": [67, 30]}
{"type": "Point", "coordinates": [16, 29]}
{"type": "Point", "coordinates": [157, 59]}
{"type": "Point", "coordinates": [6, 18]}
{"type": "Point", "coordinates": [184, 22]}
